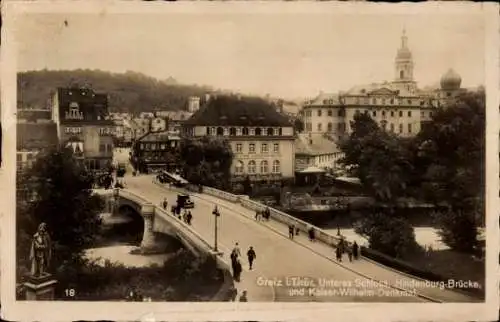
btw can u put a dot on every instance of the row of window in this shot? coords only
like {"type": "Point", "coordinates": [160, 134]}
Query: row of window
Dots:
{"type": "Point", "coordinates": [341, 113]}
{"type": "Point", "coordinates": [252, 167]}
{"type": "Point", "coordinates": [328, 157]}
{"type": "Point", "coordinates": [264, 148]}
{"type": "Point", "coordinates": [157, 146]}
{"type": "Point", "coordinates": [341, 127]}
{"type": "Point", "coordinates": [380, 101]}
{"type": "Point", "coordinates": [236, 131]}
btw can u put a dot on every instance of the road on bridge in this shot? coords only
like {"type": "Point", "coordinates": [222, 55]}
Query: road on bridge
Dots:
{"type": "Point", "coordinates": [279, 259]}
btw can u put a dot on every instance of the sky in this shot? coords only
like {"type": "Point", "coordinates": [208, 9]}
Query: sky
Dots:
{"type": "Point", "coordinates": [288, 55]}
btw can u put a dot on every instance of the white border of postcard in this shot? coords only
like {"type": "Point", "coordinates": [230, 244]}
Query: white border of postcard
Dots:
{"type": "Point", "coordinates": [66, 311]}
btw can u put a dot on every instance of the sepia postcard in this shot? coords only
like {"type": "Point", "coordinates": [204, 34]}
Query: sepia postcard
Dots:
{"type": "Point", "coordinates": [249, 161]}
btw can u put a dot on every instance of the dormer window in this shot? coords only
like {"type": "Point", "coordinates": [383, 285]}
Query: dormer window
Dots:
{"type": "Point", "coordinates": [258, 131]}
{"type": "Point", "coordinates": [270, 131]}
{"type": "Point", "coordinates": [245, 131]}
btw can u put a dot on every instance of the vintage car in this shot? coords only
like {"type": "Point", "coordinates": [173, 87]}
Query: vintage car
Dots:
{"type": "Point", "coordinates": [183, 201]}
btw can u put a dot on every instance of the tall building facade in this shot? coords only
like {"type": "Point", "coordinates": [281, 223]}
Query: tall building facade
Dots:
{"type": "Point", "coordinates": [81, 117]}
{"type": "Point", "coordinates": [262, 140]}
{"type": "Point", "coordinates": [399, 105]}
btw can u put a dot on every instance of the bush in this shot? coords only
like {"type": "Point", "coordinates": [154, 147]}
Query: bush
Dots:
{"type": "Point", "coordinates": [458, 229]}
{"type": "Point", "coordinates": [393, 236]}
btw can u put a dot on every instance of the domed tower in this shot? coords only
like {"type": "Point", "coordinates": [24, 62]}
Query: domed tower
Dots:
{"type": "Point", "coordinates": [404, 66]}
{"type": "Point", "coordinates": [451, 81]}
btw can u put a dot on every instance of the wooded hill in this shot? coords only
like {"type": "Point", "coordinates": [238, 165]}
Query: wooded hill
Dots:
{"type": "Point", "coordinates": [127, 92]}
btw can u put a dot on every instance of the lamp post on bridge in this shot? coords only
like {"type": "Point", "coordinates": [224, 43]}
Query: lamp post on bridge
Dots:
{"type": "Point", "coordinates": [216, 214]}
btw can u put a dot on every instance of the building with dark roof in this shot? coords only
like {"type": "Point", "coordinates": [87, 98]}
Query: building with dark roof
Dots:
{"type": "Point", "coordinates": [262, 139]}
{"type": "Point", "coordinates": [397, 105]}
{"type": "Point", "coordinates": [316, 151]}
{"type": "Point", "coordinates": [155, 150]}
{"type": "Point", "coordinates": [83, 123]}
{"type": "Point", "coordinates": [33, 137]}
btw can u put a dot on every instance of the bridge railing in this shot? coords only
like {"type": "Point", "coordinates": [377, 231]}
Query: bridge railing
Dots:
{"type": "Point", "coordinates": [276, 214]}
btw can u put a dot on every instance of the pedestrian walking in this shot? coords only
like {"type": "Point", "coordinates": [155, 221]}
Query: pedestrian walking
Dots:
{"type": "Point", "coordinates": [349, 253]}
{"type": "Point", "coordinates": [251, 256]}
{"type": "Point", "coordinates": [165, 203]}
{"type": "Point", "coordinates": [243, 297]}
{"type": "Point", "coordinates": [338, 253]}
{"type": "Point", "coordinates": [312, 234]}
{"type": "Point", "coordinates": [355, 250]}
{"type": "Point", "coordinates": [172, 209]}
{"type": "Point", "coordinates": [291, 231]}
{"type": "Point", "coordinates": [257, 215]}
{"type": "Point", "coordinates": [237, 271]}
{"type": "Point", "coordinates": [189, 217]}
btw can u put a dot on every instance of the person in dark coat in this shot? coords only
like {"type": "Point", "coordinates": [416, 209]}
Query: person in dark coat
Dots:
{"type": "Point", "coordinates": [189, 217]}
{"type": "Point", "coordinates": [311, 234]}
{"type": "Point", "coordinates": [251, 256]}
{"type": "Point", "coordinates": [237, 271]}
{"type": "Point", "coordinates": [165, 203]}
{"type": "Point", "coordinates": [338, 253]}
{"type": "Point", "coordinates": [349, 252]}
{"type": "Point", "coordinates": [355, 250]}
{"type": "Point", "coordinates": [291, 231]}
{"type": "Point", "coordinates": [172, 209]}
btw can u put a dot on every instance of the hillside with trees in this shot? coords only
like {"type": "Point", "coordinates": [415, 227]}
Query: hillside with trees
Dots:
{"type": "Point", "coordinates": [127, 92]}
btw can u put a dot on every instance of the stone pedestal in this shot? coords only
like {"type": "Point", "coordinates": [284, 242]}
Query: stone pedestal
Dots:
{"type": "Point", "coordinates": [40, 288]}
{"type": "Point", "coordinates": [148, 243]}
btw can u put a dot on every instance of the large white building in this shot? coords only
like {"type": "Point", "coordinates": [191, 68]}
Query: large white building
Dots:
{"type": "Point", "coordinates": [399, 106]}
{"type": "Point", "coordinates": [262, 140]}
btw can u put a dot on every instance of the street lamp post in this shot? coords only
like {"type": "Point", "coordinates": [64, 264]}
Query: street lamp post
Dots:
{"type": "Point", "coordinates": [216, 214]}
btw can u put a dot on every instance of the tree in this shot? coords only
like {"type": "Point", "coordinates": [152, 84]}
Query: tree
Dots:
{"type": "Point", "coordinates": [207, 161]}
{"type": "Point", "coordinates": [393, 236]}
{"type": "Point", "coordinates": [58, 192]}
{"type": "Point", "coordinates": [450, 159]}
{"type": "Point", "coordinates": [298, 125]}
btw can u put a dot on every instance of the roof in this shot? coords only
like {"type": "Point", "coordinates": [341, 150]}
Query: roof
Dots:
{"type": "Point", "coordinates": [312, 170]}
{"type": "Point", "coordinates": [325, 99]}
{"type": "Point", "coordinates": [34, 136]}
{"type": "Point", "coordinates": [314, 145]}
{"type": "Point", "coordinates": [236, 111]}
{"type": "Point", "coordinates": [179, 115]}
{"type": "Point", "coordinates": [159, 137]}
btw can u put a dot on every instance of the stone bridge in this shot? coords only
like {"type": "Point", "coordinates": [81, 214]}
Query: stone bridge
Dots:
{"type": "Point", "coordinates": [155, 220]}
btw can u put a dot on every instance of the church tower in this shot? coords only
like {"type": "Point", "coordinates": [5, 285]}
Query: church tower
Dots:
{"type": "Point", "coordinates": [404, 67]}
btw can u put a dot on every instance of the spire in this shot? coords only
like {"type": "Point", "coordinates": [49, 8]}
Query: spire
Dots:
{"type": "Point", "coordinates": [404, 39]}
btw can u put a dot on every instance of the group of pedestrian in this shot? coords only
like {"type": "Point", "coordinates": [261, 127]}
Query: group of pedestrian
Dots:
{"type": "Point", "coordinates": [263, 214]}
{"type": "Point", "coordinates": [343, 247]}
{"type": "Point", "coordinates": [236, 263]}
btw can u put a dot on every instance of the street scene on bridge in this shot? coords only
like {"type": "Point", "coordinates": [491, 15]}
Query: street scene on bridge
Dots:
{"type": "Point", "coordinates": [259, 158]}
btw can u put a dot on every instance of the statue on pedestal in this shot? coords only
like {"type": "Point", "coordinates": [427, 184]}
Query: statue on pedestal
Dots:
{"type": "Point", "coordinates": [40, 251]}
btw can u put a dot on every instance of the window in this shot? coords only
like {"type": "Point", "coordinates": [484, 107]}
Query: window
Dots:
{"type": "Point", "coordinates": [263, 148]}
{"type": "Point", "coordinates": [341, 112]}
{"type": "Point", "coordinates": [277, 131]}
{"type": "Point", "coordinates": [276, 166]}
{"type": "Point", "coordinates": [264, 167]}
{"type": "Point", "coordinates": [251, 167]}
{"type": "Point", "coordinates": [329, 127]}
{"type": "Point", "coordinates": [208, 130]}
{"type": "Point", "coordinates": [330, 113]}
{"type": "Point", "coordinates": [276, 148]}
{"type": "Point", "coordinates": [383, 113]}
{"type": "Point", "coordinates": [430, 114]}
{"type": "Point", "coordinates": [232, 131]}
{"type": "Point", "coordinates": [409, 113]}
{"type": "Point", "coordinates": [392, 113]}
{"type": "Point", "coordinates": [239, 167]}
{"type": "Point", "coordinates": [392, 101]}
{"type": "Point", "coordinates": [409, 102]}
{"type": "Point", "coordinates": [374, 113]}
{"type": "Point", "coordinates": [102, 148]}
{"type": "Point", "coordinates": [251, 148]}
{"type": "Point", "coordinates": [400, 128]}
{"type": "Point", "coordinates": [220, 130]}
{"type": "Point", "coordinates": [319, 113]}
{"type": "Point", "coordinates": [400, 113]}
{"type": "Point", "coordinates": [244, 131]}
{"type": "Point", "coordinates": [258, 131]}
{"type": "Point", "coordinates": [239, 148]}
{"type": "Point", "coordinates": [409, 128]}
{"type": "Point", "coordinates": [163, 146]}
{"type": "Point", "coordinates": [213, 131]}
{"type": "Point", "coordinates": [142, 146]}
{"type": "Point", "coordinates": [320, 127]}
{"type": "Point", "coordinates": [270, 131]}
{"type": "Point", "coordinates": [280, 131]}
{"type": "Point", "coordinates": [392, 127]}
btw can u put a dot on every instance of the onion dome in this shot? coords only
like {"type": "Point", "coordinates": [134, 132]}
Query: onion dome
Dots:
{"type": "Point", "coordinates": [451, 80]}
